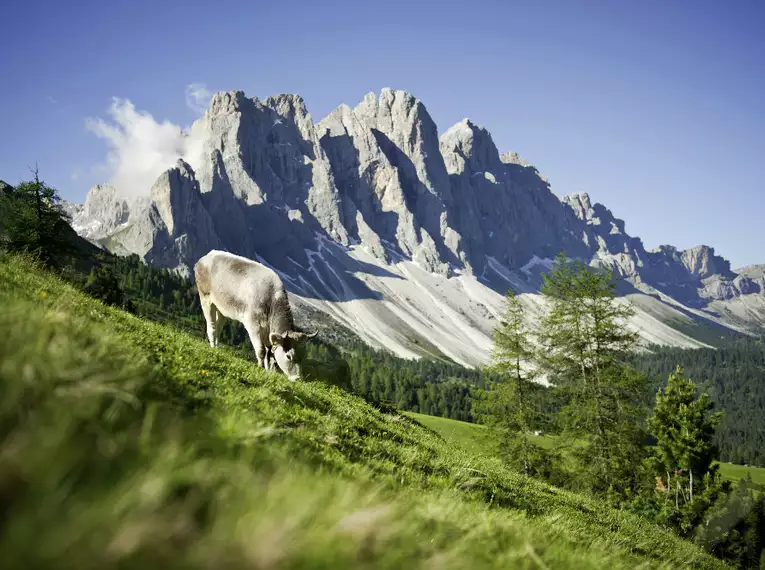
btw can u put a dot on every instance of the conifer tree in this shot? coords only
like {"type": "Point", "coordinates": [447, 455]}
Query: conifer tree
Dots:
{"type": "Point", "coordinates": [508, 408]}
{"type": "Point", "coordinates": [683, 425]}
{"type": "Point", "coordinates": [31, 220]}
{"type": "Point", "coordinates": [585, 344]}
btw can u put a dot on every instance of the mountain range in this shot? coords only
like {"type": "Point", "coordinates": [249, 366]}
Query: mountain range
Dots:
{"type": "Point", "coordinates": [407, 238]}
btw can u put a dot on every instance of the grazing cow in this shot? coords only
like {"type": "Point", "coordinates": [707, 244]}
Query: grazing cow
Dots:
{"type": "Point", "coordinates": [253, 294]}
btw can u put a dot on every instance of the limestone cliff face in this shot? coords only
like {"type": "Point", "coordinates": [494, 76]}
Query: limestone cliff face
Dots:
{"type": "Point", "coordinates": [392, 179]}
{"type": "Point", "coordinates": [174, 229]}
{"type": "Point", "coordinates": [104, 212]}
{"type": "Point", "coordinates": [269, 183]}
{"type": "Point", "coordinates": [503, 210]}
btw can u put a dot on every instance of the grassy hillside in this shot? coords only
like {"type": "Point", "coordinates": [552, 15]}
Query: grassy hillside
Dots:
{"type": "Point", "coordinates": [473, 438]}
{"type": "Point", "coordinates": [733, 376]}
{"type": "Point", "coordinates": [469, 436]}
{"type": "Point", "coordinates": [126, 443]}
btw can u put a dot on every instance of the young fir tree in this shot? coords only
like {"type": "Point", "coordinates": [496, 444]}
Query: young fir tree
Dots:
{"type": "Point", "coordinates": [31, 220]}
{"type": "Point", "coordinates": [585, 343]}
{"type": "Point", "coordinates": [684, 456]}
{"type": "Point", "coordinates": [508, 407]}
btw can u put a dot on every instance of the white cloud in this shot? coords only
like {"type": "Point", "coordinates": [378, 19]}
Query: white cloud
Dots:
{"type": "Point", "coordinates": [52, 100]}
{"type": "Point", "coordinates": [140, 148]}
{"type": "Point", "coordinates": [198, 97]}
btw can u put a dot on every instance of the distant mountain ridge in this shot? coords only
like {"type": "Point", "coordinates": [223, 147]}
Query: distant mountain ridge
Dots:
{"type": "Point", "coordinates": [407, 238]}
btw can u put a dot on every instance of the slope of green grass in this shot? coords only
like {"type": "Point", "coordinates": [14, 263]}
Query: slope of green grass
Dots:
{"type": "Point", "coordinates": [125, 443]}
{"type": "Point", "coordinates": [735, 473]}
{"type": "Point", "coordinates": [473, 438]}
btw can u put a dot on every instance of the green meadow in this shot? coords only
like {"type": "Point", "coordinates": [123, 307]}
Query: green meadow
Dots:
{"type": "Point", "coordinates": [130, 444]}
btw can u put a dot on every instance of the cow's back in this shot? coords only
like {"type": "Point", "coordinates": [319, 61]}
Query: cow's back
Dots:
{"type": "Point", "coordinates": [238, 286]}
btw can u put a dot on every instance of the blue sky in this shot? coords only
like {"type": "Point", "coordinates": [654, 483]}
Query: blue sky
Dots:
{"type": "Point", "coordinates": [656, 108]}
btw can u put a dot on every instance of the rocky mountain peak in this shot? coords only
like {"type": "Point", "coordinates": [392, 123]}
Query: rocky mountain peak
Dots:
{"type": "Point", "coordinates": [755, 271]}
{"type": "Point", "coordinates": [227, 101]}
{"type": "Point", "coordinates": [101, 193]}
{"type": "Point", "coordinates": [173, 192]}
{"type": "Point", "coordinates": [402, 119]}
{"type": "Point", "coordinates": [105, 210]}
{"type": "Point", "coordinates": [594, 214]}
{"type": "Point", "coordinates": [288, 105]}
{"type": "Point", "coordinates": [702, 262]}
{"type": "Point", "coordinates": [751, 279]}
{"type": "Point", "coordinates": [469, 146]}
{"type": "Point", "coordinates": [580, 203]}
{"type": "Point", "coordinates": [375, 182]}
{"type": "Point", "coordinates": [513, 158]}
{"type": "Point", "coordinates": [291, 108]}
{"type": "Point", "coordinates": [391, 110]}
{"type": "Point", "coordinates": [174, 229]}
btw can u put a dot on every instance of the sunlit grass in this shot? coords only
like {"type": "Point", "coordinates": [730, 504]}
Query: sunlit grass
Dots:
{"type": "Point", "coordinates": [125, 443]}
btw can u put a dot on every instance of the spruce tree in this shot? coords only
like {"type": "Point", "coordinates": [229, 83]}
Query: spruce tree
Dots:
{"type": "Point", "coordinates": [684, 456]}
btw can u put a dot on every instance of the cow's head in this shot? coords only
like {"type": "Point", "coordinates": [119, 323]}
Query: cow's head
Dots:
{"type": "Point", "coordinates": [289, 350]}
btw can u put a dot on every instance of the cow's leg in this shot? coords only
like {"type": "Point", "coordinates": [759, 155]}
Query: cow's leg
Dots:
{"type": "Point", "coordinates": [217, 323]}
{"type": "Point", "coordinates": [210, 313]}
{"type": "Point", "coordinates": [261, 354]}
{"type": "Point", "coordinates": [270, 361]}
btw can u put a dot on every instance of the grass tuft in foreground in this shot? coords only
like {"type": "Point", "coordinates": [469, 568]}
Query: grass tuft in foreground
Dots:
{"type": "Point", "coordinates": [125, 443]}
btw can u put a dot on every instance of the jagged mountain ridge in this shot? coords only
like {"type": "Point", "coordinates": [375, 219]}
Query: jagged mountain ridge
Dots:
{"type": "Point", "coordinates": [406, 237]}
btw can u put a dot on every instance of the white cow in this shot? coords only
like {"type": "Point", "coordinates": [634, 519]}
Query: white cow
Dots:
{"type": "Point", "coordinates": [253, 294]}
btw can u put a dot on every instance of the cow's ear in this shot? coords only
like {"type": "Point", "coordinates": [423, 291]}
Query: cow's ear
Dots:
{"type": "Point", "coordinates": [276, 338]}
